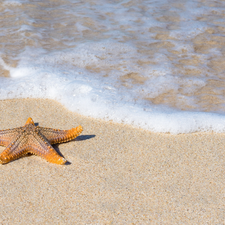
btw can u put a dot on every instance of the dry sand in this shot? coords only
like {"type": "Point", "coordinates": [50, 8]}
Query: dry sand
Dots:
{"type": "Point", "coordinates": [118, 174]}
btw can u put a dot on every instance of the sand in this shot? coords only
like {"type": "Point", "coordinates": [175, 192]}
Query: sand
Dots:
{"type": "Point", "coordinates": [117, 174]}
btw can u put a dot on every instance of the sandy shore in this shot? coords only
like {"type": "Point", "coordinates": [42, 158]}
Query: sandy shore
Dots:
{"type": "Point", "coordinates": [117, 175]}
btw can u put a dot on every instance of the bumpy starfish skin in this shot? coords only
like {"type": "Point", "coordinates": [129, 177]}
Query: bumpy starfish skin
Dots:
{"type": "Point", "coordinates": [35, 140]}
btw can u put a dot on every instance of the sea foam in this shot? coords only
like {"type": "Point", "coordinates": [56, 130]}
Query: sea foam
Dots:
{"type": "Point", "coordinates": [145, 64]}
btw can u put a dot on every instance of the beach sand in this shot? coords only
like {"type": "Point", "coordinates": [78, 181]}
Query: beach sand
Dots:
{"type": "Point", "coordinates": [117, 174]}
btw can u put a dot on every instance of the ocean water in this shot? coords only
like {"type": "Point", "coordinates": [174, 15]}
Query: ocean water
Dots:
{"type": "Point", "coordinates": [155, 64]}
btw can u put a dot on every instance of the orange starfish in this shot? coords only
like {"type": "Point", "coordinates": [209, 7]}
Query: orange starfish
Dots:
{"type": "Point", "coordinates": [35, 140]}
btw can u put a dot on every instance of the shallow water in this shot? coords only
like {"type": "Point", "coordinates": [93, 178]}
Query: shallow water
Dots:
{"type": "Point", "coordinates": [158, 65]}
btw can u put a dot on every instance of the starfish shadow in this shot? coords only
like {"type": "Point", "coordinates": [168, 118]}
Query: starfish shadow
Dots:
{"type": "Point", "coordinates": [56, 147]}
{"type": "Point", "coordinates": [79, 138]}
{"type": "Point", "coordinates": [83, 137]}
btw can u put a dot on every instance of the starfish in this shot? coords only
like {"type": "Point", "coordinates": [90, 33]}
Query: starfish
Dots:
{"type": "Point", "coordinates": [35, 140]}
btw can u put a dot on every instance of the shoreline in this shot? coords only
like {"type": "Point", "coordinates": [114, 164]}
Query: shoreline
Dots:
{"type": "Point", "coordinates": [117, 174]}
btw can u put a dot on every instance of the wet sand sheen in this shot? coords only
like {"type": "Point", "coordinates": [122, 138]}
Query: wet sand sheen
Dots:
{"type": "Point", "coordinates": [118, 174]}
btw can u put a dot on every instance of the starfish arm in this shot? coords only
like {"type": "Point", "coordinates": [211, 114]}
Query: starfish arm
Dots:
{"type": "Point", "coordinates": [58, 136]}
{"type": "Point", "coordinates": [14, 150]}
{"type": "Point", "coordinates": [7, 136]}
{"type": "Point", "coordinates": [29, 121]}
{"type": "Point", "coordinates": [40, 146]}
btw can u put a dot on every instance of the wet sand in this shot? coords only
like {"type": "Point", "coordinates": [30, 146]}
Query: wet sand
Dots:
{"type": "Point", "coordinates": [117, 174]}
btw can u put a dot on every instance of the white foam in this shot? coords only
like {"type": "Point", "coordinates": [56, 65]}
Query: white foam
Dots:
{"type": "Point", "coordinates": [12, 3]}
{"type": "Point", "coordinates": [91, 97]}
{"type": "Point", "coordinates": [95, 74]}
